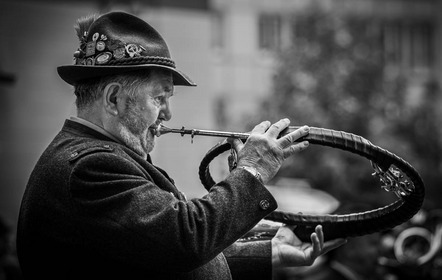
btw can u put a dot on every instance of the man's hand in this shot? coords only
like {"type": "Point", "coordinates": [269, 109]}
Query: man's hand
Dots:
{"type": "Point", "coordinates": [264, 151]}
{"type": "Point", "coordinates": [288, 250]}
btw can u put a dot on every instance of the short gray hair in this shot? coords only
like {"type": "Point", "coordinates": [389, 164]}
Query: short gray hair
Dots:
{"type": "Point", "coordinates": [88, 91]}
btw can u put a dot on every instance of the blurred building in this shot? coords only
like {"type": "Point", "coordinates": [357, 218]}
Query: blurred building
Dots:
{"type": "Point", "coordinates": [226, 46]}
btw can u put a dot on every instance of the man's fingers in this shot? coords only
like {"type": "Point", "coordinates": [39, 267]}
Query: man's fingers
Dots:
{"type": "Point", "coordinates": [326, 246]}
{"type": "Point", "coordinates": [261, 128]}
{"type": "Point", "coordinates": [295, 148]}
{"type": "Point", "coordinates": [289, 139]}
{"type": "Point", "coordinates": [276, 128]}
{"type": "Point", "coordinates": [320, 235]}
{"type": "Point", "coordinates": [319, 247]}
{"type": "Point", "coordinates": [236, 143]}
{"type": "Point", "coordinates": [316, 251]}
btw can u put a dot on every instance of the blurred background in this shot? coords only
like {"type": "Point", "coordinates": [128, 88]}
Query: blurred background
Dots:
{"type": "Point", "coordinates": [369, 67]}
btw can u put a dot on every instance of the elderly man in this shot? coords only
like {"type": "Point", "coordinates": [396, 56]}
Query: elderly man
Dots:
{"type": "Point", "coordinates": [96, 207]}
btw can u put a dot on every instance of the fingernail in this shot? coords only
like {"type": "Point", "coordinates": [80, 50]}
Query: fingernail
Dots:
{"type": "Point", "coordinates": [305, 143]}
{"type": "Point", "coordinates": [306, 128]}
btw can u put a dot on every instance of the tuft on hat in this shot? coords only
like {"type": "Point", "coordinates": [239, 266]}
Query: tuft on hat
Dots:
{"type": "Point", "coordinates": [116, 43]}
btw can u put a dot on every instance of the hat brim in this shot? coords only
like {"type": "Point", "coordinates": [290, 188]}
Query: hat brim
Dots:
{"type": "Point", "coordinates": [72, 74]}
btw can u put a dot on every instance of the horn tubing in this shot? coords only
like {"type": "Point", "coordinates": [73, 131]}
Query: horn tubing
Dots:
{"type": "Point", "coordinates": [162, 129]}
{"type": "Point", "coordinates": [347, 225]}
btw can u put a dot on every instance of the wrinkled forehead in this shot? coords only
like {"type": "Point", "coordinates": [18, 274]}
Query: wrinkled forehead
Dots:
{"type": "Point", "coordinates": [161, 78]}
{"type": "Point", "coordinates": [158, 81]}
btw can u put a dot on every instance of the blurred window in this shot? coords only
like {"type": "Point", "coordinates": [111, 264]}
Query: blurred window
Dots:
{"type": "Point", "coordinates": [217, 39]}
{"type": "Point", "coordinates": [270, 32]}
{"type": "Point", "coordinates": [409, 45]}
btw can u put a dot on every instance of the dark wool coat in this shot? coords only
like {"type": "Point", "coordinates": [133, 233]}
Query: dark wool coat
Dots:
{"type": "Point", "coordinates": [95, 209]}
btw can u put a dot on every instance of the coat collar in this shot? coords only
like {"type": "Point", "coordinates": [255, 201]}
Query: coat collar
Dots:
{"type": "Point", "coordinates": [80, 129]}
{"type": "Point", "coordinates": [95, 127]}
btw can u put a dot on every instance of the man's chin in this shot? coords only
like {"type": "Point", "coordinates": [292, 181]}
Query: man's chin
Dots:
{"type": "Point", "coordinates": [141, 144]}
{"type": "Point", "coordinates": [150, 142]}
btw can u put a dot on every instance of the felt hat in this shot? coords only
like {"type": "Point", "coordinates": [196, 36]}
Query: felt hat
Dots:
{"type": "Point", "coordinates": [116, 43]}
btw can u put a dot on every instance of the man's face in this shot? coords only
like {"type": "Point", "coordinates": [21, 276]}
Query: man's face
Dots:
{"type": "Point", "coordinates": [147, 109]}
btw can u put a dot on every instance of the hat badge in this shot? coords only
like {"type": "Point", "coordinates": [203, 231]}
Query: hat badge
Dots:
{"type": "Point", "coordinates": [133, 50]}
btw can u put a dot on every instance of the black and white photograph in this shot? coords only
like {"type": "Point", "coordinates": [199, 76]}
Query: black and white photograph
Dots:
{"type": "Point", "coordinates": [221, 139]}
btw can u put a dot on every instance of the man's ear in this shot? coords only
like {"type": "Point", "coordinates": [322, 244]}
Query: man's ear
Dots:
{"type": "Point", "coordinates": [110, 97]}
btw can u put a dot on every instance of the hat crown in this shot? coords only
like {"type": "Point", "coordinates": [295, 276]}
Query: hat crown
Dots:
{"type": "Point", "coordinates": [119, 38]}
{"type": "Point", "coordinates": [130, 30]}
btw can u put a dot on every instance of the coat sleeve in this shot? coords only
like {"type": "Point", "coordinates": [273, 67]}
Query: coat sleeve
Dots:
{"type": "Point", "coordinates": [250, 260]}
{"type": "Point", "coordinates": [129, 211]}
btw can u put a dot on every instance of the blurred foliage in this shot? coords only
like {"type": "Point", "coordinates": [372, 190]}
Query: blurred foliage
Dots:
{"type": "Point", "coordinates": [334, 77]}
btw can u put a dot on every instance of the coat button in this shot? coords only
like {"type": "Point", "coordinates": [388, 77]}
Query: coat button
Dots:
{"type": "Point", "coordinates": [264, 204]}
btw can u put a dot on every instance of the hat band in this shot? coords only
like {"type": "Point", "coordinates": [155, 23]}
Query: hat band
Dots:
{"type": "Point", "coordinates": [143, 60]}
{"type": "Point", "coordinates": [101, 50]}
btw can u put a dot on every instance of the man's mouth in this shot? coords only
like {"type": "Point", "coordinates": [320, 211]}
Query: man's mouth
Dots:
{"type": "Point", "coordinates": [155, 129]}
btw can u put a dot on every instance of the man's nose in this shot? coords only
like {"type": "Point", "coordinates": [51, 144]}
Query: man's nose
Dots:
{"type": "Point", "coordinates": [165, 113]}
